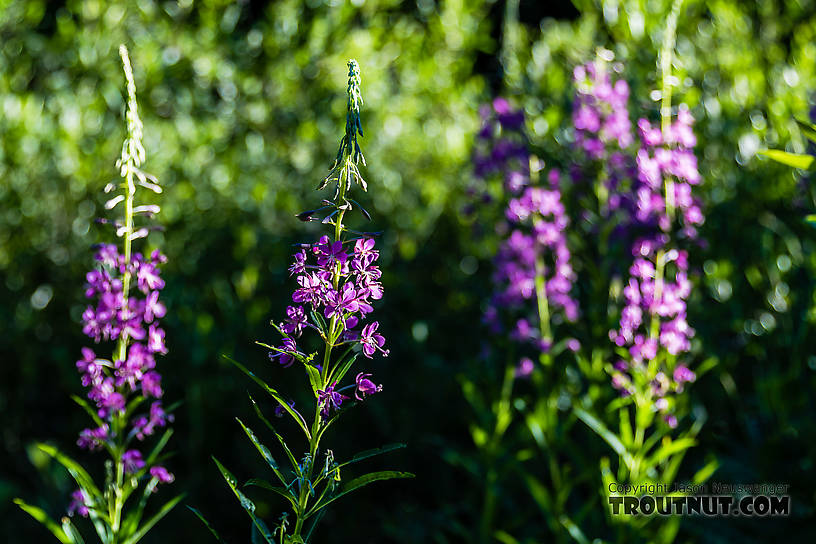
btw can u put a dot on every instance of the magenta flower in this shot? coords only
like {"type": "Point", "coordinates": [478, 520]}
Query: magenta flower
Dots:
{"type": "Point", "coordinates": [162, 475]}
{"type": "Point", "coordinates": [328, 253]}
{"type": "Point", "coordinates": [372, 341]}
{"type": "Point", "coordinates": [92, 439]}
{"type": "Point", "coordinates": [365, 386]}
{"type": "Point", "coordinates": [78, 502]}
{"type": "Point", "coordinates": [133, 461]}
{"type": "Point", "coordinates": [525, 368]}
{"type": "Point", "coordinates": [329, 400]}
{"type": "Point", "coordinates": [286, 356]}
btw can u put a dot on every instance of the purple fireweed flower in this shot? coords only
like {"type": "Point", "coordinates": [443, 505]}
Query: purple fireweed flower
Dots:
{"type": "Point", "coordinates": [133, 461]}
{"type": "Point", "coordinates": [525, 368]}
{"type": "Point", "coordinates": [600, 115]}
{"type": "Point", "coordinates": [146, 425]}
{"type": "Point", "coordinates": [311, 290]}
{"type": "Point", "coordinates": [153, 308]}
{"type": "Point", "coordinates": [653, 320]}
{"type": "Point", "coordinates": [151, 385]}
{"type": "Point", "coordinates": [295, 321]}
{"type": "Point", "coordinates": [299, 264]}
{"type": "Point", "coordinates": [92, 439]}
{"type": "Point", "coordinates": [372, 341]}
{"type": "Point", "coordinates": [162, 475]}
{"type": "Point", "coordinates": [338, 303]}
{"type": "Point", "coordinates": [77, 506]}
{"type": "Point", "coordinates": [328, 253]}
{"type": "Point", "coordinates": [280, 410]}
{"type": "Point", "coordinates": [329, 400]}
{"type": "Point", "coordinates": [155, 341]}
{"type": "Point", "coordinates": [148, 278]}
{"type": "Point", "coordinates": [668, 156]}
{"type": "Point", "coordinates": [365, 386]}
{"type": "Point", "coordinates": [286, 355]}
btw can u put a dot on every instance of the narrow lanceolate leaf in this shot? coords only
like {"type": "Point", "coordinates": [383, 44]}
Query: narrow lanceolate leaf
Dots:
{"type": "Point", "coordinates": [200, 516]}
{"type": "Point", "coordinates": [342, 370]}
{"type": "Point", "coordinates": [163, 511]}
{"type": "Point", "coordinates": [154, 455]}
{"type": "Point", "coordinates": [358, 483]}
{"type": "Point", "coordinates": [90, 411]}
{"type": "Point", "coordinates": [42, 517]}
{"type": "Point", "coordinates": [263, 450]}
{"type": "Point", "coordinates": [371, 453]}
{"type": "Point", "coordinates": [668, 449]}
{"type": "Point", "coordinates": [74, 469]}
{"type": "Point", "coordinates": [808, 129]}
{"type": "Point", "coordinates": [133, 519]}
{"type": "Point", "coordinates": [289, 454]}
{"type": "Point", "coordinates": [282, 491]}
{"type": "Point", "coordinates": [71, 531]}
{"type": "Point", "coordinates": [277, 396]}
{"type": "Point", "coordinates": [573, 529]}
{"type": "Point", "coordinates": [246, 503]}
{"type": "Point", "coordinates": [794, 160]}
{"type": "Point", "coordinates": [601, 430]}
{"type": "Point", "coordinates": [314, 378]}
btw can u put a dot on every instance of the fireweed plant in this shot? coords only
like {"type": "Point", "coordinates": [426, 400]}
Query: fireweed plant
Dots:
{"type": "Point", "coordinates": [124, 391]}
{"type": "Point", "coordinates": [637, 220]}
{"type": "Point", "coordinates": [337, 283]}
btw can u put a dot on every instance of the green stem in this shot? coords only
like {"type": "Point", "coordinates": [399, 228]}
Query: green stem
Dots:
{"type": "Point", "coordinates": [501, 423]}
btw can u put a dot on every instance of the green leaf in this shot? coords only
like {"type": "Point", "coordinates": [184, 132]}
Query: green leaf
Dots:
{"type": "Point", "coordinates": [42, 517]}
{"type": "Point", "coordinates": [91, 412]}
{"type": "Point", "coordinates": [358, 483]}
{"type": "Point", "coordinates": [371, 453]}
{"type": "Point", "coordinates": [74, 469]}
{"type": "Point", "coordinates": [292, 460]}
{"type": "Point", "coordinates": [574, 531]}
{"type": "Point", "coordinates": [246, 503]}
{"type": "Point", "coordinates": [340, 373]}
{"type": "Point", "coordinates": [200, 516]}
{"type": "Point", "coordinates": [263, 450]}
{"type": "Point", "coordinates": [157, 449]}
{"type": "Point", "coordinates": [163, 511]}
{"type": "Point", "coordinates": [72, 532]}
{"type": "Point", "coordinates": [803, 162]}
{"type": "Point", "coordinates": [361, 456]}
{"type": "Point", "coordinates": [668, 449]}
{"type": "Point", "coordinates": [807, 129]}
{"type": "Point", "coordinates": [296, 416]}
{"type": "Point", "coordinates": [314, 378]}
{"type": "Point", "coordinates": [282, 491]}
{"type": "Point", "coordinates": [702, 475]}
{"type": "Point", "coordinates": [540, 494]}
{"type": "Point", "coordinates": [505, 538]}
{"type": "Point", "coordinates": [811, 219]}
{"type": "Point", "coordinates": [601, 430]}
{"type": "Point", "coordinates": [131, 523]}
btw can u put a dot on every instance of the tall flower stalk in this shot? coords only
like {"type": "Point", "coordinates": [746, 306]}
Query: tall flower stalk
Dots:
{"type": "Point", "coordinates": [338, 281]}
{"type": "Point", "coordinates": [124, 391]}
{"type": "Point", "coordinates": [532, 299]}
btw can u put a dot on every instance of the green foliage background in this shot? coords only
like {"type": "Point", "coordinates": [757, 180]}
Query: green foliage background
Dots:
{"type": "Point", "coordinates": [243, 104]}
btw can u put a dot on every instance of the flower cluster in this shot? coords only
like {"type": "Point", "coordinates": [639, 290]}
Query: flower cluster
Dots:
{"type": "Point", "coordinates": [648, 296]}
{"type": "Point", "coordinates": [654, 317]}
{"type": "Point", "coordinates": [532, 274]}
{"type": "Point", "coordinates": [666, 172]}
{"type": "Point", "coordinates": [339, 284]}
{"type": "Point", "coordinates": [122, 316]}
{"type": "Point", "coordinates": [536, 247]}
{"type": "Point", "coordinates": [501, 151]}
{"type": "Point", "coordinates": [600, 114]}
